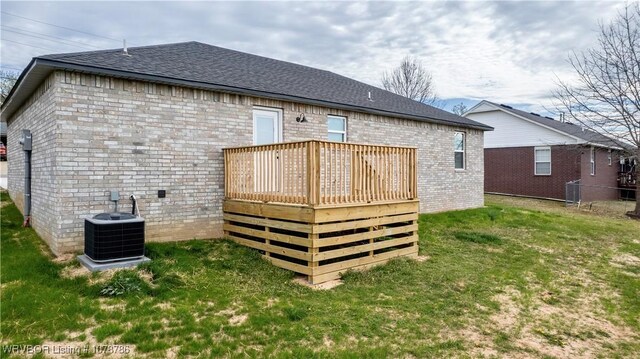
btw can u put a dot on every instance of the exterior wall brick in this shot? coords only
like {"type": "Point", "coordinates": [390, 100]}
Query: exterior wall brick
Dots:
{"type": "Point", "coordinates": [600, 186]}
{"type": "Point", "coordinates": [138, 138]}
{"type": "Point", "coordinates": [38, 116]}
{"type": "Point", "coordinates": [511, 171]}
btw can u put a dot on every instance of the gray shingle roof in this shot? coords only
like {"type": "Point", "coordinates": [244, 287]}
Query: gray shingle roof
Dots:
{"type": "Point", "coordinates": [568, 128]}
{"type": "Point", "coordinates": [203, 64]}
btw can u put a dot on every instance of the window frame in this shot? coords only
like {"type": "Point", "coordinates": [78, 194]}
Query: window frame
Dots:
{"type": "Point", "coordinates": [592, 161]}
{"type": "Point", "coordinates": [535, 160]}
{"type": "Point", "coordinates": [463, 151]}
{"type": "Point", "coordinates": [343, 132]}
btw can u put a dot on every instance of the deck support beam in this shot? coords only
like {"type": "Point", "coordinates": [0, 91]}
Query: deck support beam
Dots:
{"type": "Point", "coordinates": [323, 242]}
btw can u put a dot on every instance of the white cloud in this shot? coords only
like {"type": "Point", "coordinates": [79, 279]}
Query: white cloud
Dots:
{"type": "Point", "coordinates": [502, 51]}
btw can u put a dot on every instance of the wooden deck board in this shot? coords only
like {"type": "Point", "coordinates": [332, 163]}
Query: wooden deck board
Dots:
{"type": "Point", "coordinates": [297, 234]}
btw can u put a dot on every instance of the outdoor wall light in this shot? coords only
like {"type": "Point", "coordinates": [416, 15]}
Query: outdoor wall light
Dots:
{"type": "Point", "coordinates": [301, 118]}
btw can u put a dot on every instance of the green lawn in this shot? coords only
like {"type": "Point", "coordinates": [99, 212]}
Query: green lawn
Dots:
{"type": "Point", "coordinates": [499, 281]}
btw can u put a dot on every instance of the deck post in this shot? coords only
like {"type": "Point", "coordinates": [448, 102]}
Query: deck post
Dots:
{"type": "Point", "coordinates": [414, 173]}
{"type": "Point", "coordinates": [310, 169]}
{"type": "Point", "coordinates": [313, 251]}
{"type": "Point", "coordinates": [316, 171]}
{"type": "Point", "coordinates": [226, 173]}
{"type": "Point", "coordinates": [313, 173]}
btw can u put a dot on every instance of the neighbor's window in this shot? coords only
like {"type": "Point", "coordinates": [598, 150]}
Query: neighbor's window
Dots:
{"type": "Point", "coordinates": [458, 150]}
{"type": "Point", "coordinates": [610, 158]}
{"type": "Point", "coordinates": [543, 161]}
{"type": "Point", "coordinates": [337, 128]}
{"type": "Point", "coordinates": [593, 161]}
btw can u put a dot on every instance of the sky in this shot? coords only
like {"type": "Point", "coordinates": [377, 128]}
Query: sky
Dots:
{"type": "Point", "coordinates": [508, 52]}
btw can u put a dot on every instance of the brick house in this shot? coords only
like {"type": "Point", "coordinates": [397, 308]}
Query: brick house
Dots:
{"type": "Point", "coordinates": [158, 117]}
{"type": "Point", "coordinates": [535, 156]}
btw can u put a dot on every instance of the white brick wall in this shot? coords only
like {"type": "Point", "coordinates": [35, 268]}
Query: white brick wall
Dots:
{"type": "Point", "coordinates": [36, 115]}
{"type": "Point", "coordinates": [139, 137]}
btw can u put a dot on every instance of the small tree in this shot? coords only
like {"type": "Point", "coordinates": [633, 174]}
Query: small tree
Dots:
{"type": "Point", "coordinates": [7, 80]}
{"type": "Point", "coordinates": [459, 109]}
{"type": "Point", "coordinates": [411, 79]}
{"type": "Point", "coordinates": [605, 96]}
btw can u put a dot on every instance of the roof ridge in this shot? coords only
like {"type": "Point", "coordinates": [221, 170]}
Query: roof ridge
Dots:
{"type": "Point", "coordinates": [200, 64]}
{"type": "Point", "coordinates": [80, 53]}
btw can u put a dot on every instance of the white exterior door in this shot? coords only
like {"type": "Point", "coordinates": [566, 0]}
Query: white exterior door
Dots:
{"type": "Point", "coordinates": [267, 126]}
{"type": "Point", "coordinates": [267, 129]}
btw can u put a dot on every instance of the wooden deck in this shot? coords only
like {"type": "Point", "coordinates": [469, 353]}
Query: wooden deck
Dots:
{"type": "Point", "coordinates": [321, 208]}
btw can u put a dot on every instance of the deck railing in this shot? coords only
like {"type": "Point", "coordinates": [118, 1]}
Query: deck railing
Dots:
{"type": "Point", "coordinates": [320, 173]}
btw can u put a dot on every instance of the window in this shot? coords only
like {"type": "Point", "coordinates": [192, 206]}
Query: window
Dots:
{"type": "Point", "coordinates": [458, 150]}
{"type": "Point", "coordinates": [337, 128]}
{"type": "Point", "coordinates": [542, 161]}
{"type": "Point", "coordinates": [610, 158]}
{"type": "Point", "coordinates": [593, 161]}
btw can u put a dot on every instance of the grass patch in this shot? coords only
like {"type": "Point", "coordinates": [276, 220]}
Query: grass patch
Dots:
{"type": "Point", "coordinates": [477, 237]}
{"type": "Point", "coordinates": [126, 282]}
{"type": "Point", "coordinates": [496, 279]}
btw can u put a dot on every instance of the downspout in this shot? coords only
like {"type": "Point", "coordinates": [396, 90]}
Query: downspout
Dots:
{"type": "Point", "coordinates": [25, 141]}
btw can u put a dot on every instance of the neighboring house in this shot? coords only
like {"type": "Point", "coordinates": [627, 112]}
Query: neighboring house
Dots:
{"type": "Point", "coordinates": [157, 118]}
{"type": "Point", "coordinates": [535, 156]}
{"type": "Point", "coordinates": [3, 132]}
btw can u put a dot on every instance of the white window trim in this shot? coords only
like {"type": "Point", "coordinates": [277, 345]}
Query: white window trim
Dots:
{"type": "Point", "coordinates": [343, 133]}
{"type": "Point", "coordinates": [278, 132]}
{"type": "Point", "coordinates": [463, 151]}
{"type": "Point", "coordinates": [535, 160]}
{"type": "Point", "coordinates": [592, 161]}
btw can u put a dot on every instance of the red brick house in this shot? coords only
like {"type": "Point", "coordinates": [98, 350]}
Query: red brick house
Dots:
{"type": "Point", "coordinates": [535, 156]}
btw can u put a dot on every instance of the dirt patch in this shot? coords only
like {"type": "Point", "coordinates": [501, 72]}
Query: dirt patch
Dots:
{"type": "Point", "coordinates": [536, 327]}
{"type": "Point", "coordinates": [327, 342]}
{"type": "Point", "coordinates": [64, 258]}
{"type": "Point", "coordinates": [233, 316]}
{"type": "Point", "coordinates": [574, 334]}
{"type": "Point", "coordinates": [74, 272]}
{"type": "Point", "coordinates": [625, 259]}
{"type": "Point", "coordinates": [80, 344]}
{"type": "Point", "coordinates": [146, 276]}
{"type": "Point", "coordinates": [172, 353]}
{"type": "Point", "coordinates": [481, 343]}
{"type": "Point", "coordinates": [494, 250]}
{"type": "Point", "coordinates": [102, 276]}
{"type": "Point", "coordinates": [164, 306]}
{"type": "Point", "coordinates": [422, 258]}
{"type": "Point", "coordinates": [301, 280]}
{"type": "Point", "coordinates": [238, 319]}
{"type": "Point", "coordinates": [111, 305]}
{"type": "Point", "coordinates": [12, 283]}
{"type": "Point", "coordinates": [610, 209]}
{"type": "Point", "coordinates": [507, 317]}
{"type": "Point", "coordinates": [540, 249]}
